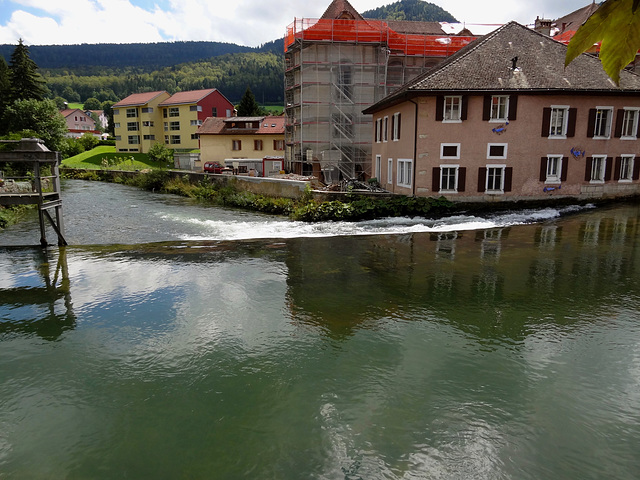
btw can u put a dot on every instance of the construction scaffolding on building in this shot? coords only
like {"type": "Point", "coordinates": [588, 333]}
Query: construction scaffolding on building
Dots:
{"type": "Point", "coordinates": [335, 68]}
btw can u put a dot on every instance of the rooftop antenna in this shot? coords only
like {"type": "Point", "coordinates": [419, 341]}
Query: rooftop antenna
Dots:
{"type": "Point", "coordinates": [514, 61]}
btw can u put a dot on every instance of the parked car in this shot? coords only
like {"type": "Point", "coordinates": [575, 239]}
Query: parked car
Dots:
{"type": "Point", "coordinates": [213, 167]}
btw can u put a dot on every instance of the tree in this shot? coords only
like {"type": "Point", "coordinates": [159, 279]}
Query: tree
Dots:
{"type": "Point", "coordinates": [5, 87]}
{"type": "Point", "coordinates": [39, 118]}
{"type": "Point", "coordinates": [92, 103]}
{"type": "Point", "coordinates": [107, 107]}
{"type": "Point", "coordinates": [616, 24]}
{"type": "Point", "coordinates": [248, 107]}
{"type": "Point", "coordinates": [159, 153]}
{"type": "Point", "coordinates": [26, 82]}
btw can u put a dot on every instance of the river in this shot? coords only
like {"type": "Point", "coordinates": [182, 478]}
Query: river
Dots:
{"type": "Point", "coordinates": [176, 340]}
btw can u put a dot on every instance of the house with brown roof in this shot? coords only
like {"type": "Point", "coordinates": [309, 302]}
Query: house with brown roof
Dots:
{"type": "Point", "coordinates": [144, 119]}
{"type": "Point", "coordinates": [503, 119]}
{"type": "Point", "coordinates": [240, 139]}
{"type": "Point", "coordinates": [79, 123]}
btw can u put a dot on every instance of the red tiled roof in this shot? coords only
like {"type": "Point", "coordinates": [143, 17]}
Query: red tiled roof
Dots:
{"type": "Point", "coordinates": [69, 111]}
{"type": "Point", "coordinates": [271, 125]}
{"type": "Point", "coordinates": [136, 99]}
{"type": "Point", "coordinates": [191, 96]}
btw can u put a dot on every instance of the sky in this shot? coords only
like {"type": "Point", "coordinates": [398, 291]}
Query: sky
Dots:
{"type": "Point", "coordinates": [244, 22]}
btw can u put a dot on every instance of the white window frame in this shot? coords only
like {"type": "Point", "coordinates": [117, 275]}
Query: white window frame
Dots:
{"type": "Point", "coordinates": [630, 114]}
{"type": "Point", "coordinates": [555, 130]}
{"type": "Point", "coordinates": [395, 124]}
{"type": "Point", "coordinates": [497, 157]}
{"type": "Point", "coordinates": [378, 172]}
{"type": "Point", "coordinates": [175, 139]}
{"type": "Point", "coordinates": [449, 157]}
{"type": "Point", "coordinates": [404, 173]}
{"type": "Point", "coordinates": [495, 112]}
{"type": "Point", "coordinates": [390, 171]}
{"type": "Point", "coordinates": [449, 115]}
{"type": "Point", "coordinates": [597, 174]}
{"type": "Point", "coordinates": [173, 112]}
{"type": "Point", "coordinates": [550, 176]}
{"type": "Point", "coordinates": [630, 160]}
{"type": "Point", "coordinates": [133, 139]}
{"type": "Point", "coordinates": [385, 129]}
{"type": "Point", "coordinates": [378, 130]}
{"type": "Point", "coordinates": [456, 169]}
{"type": "Point", "coordinates": [132, 113]}
{"type": "Point", "coordinates": [599, 123]}
{"type": "Point", "coordinates": [490, 167]}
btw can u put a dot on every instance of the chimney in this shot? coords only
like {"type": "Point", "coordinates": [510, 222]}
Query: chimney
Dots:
{"type": "Point", "coordinates": [543, 25]}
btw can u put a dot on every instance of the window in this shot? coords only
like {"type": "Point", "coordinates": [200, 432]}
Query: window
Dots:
{"type": "Point", "coordinates": [626, 168]}
{"type": "Point", "coordinates": [629, 123]}
{"type": "Point", "coordinates": [147, 124]}
{"type": "Point", "coordinates": [166, 139]}
{"type": "Point", "coordinates": [499, 108]}
{"type": "Point", "coordinates": [390, 171]}
{"type": "Point", "coordinates": [378, 131]}
{"type": "Point", "coordinates": [174, 125]}
{"type": "Point", "coordinates": [132, 112]}
{"type": "Point", "coordinates": [132, 126]}
{"type": "Point", "coordinates": [278, 144]}
{"type": "Point", "coordinates": [214, 112]}
{"type": "Point", "coordinates": [149, 137]}
{"type": "Point", "coordinates": [385, 129]}
{"type": "Point", "coordinates": [195, 108]}
{"type": "Point", "coordinates": [601, 122]}
{"type": "Point", "coordinates": [134, 139]}
{"type": "Point", "coordinates": [449, 178]}
{"type": "Point", "coordinates": [452, 109]}
{"type": "Point", "coordinates": [196, 123]}
{"type": "Point", "coordinates": [116, 125]}
{"type": "Point", "coordinates": [395, 127]}
{"type": "Point", "coordinates": [174, 112]}
{"type": "Point", "coordinates": [257, 144]}
{"type": "Point", "coordinates": [175, 139]}
{"type": "Point", "coordinates": [236, 145]}
{"type": "Point", "coordinates": [194, 136]}
{"type": "Point", "coordinates": [403, 178]}
{"type": "Point", "coordinates": [450, 150]}
{"type": "Point", "coordinates": [559, 119]}
{"type": "Point", "coordinates": [116, 111]}
{"type": "Point", "coordinates": [553, 170]}
{"type": "Point", "coordinates": [378, 172]}
{"type": "Point", "coordinates": [598, 165]}
{"type": "Point", "coordinates": [497, 151]}
{"type": "Point", "coordinates": [147, 110]}
{"type": "Point", "coordinates": [495, 179]}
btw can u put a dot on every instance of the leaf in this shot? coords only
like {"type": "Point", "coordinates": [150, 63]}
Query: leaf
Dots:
{"type": "Point", "coordinates": [616, 24]}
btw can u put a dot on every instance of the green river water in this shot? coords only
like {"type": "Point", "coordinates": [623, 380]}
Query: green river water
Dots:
{"type": "Point", "coordinates": [183, 342]}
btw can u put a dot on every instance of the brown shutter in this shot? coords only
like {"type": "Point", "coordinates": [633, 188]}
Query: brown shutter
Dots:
{"type": "Point", "coordinates": [571, 122]}
{"type": "Point", "coordinates": [587, 169]}
{"type": "Point", "coordinates": [439, 108]}
{"type": "Point", "coordinates": [435, 179]}
{"type": "Point", "coordinates": [486, 108]}
{"type": "Point", "coordinates": [636, 170]}
{"type": "Point", "coordinates": [508, 178]}
{"type": "Point", "coordinates": [591, 126]}
{"type": "Point", "coordinates": [607, 169]}
{"type": "Point", "coordinates": [465, 107]}
{"type": "Point", "coordinates": [399, 124]}
{"type": "Point", "coordinates": [462, 178]}
{"type": "Point", "coordinates": [617, 167]}
{"type": "Point", "coordinates": [482, 179]}
{"type": "Point", "coordinates": [543, 169]}
{"type": "Point", "coordinates": [546, 121]}
{"type": "Point", "coordinates": [513, 107]}
{"type": "Point", "coordinates": [565, 169]}
{"type": "Point", "coordinates": [619, 118]}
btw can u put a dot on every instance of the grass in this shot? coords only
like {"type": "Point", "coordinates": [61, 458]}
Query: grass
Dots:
{"type": "Point", "coordinates": [75, 105]}
{"type": "Point", "coordinates": [106, 157]}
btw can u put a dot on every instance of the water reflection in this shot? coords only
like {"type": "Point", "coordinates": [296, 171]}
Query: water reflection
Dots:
{"type": "Point", "coordinates": [38, 304]}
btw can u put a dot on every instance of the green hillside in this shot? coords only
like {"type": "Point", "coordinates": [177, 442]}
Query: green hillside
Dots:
{"type": "Point", "coordinates": [414, 10]}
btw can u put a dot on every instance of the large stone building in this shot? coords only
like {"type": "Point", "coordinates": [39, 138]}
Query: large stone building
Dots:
{"type": "Point", "coordinates": [503, 119]}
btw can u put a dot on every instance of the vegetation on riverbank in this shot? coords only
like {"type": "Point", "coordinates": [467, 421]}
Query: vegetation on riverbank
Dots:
{"type": "Point", "coordinates": [12, 214]}
{"type": "Point", "coordinates": [353, 207]}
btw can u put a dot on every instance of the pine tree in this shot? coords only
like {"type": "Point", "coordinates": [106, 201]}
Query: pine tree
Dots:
{"type": "Point", "coordinates": [248, 106]}
{"type": "Point", "coordinates": [5, 90]}
{"type": "Point", "coordinates": [26, 82]}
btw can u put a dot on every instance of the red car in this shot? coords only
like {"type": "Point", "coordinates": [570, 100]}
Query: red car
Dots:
{"type": "Point", "coordinates": [213, 167]}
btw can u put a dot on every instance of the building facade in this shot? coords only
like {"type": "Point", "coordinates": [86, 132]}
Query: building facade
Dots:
{"type": "Point", "coordinates": [141, 120]}
{"type": "Point", "coordinates": [239, 138]}
{"type": "Point", "coordinates": [504, 120]}
{"type": "Point", "coordinates": [337, 66]}
{"type": "Point", "coordinates": [79, 123]}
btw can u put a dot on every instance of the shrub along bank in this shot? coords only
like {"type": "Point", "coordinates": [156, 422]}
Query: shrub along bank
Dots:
{"type": "Point", "coordinates": [352, 208]}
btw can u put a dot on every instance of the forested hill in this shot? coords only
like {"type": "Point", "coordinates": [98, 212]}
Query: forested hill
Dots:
{"type": "Point", "coordinates": [414, 10]}
{"type": "Point", "coordinates": [141, 55]}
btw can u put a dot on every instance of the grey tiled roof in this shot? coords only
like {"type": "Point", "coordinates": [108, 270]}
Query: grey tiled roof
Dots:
{"type": "Point", "coordinates": [486, 65]}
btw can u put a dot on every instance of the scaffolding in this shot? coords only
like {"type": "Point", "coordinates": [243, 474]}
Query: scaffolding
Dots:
{"type": "Point", "coordinates": [336, 68]}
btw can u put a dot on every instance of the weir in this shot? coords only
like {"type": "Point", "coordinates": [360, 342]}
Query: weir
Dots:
{"type": "Point", "coordinates": [30, 182]}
